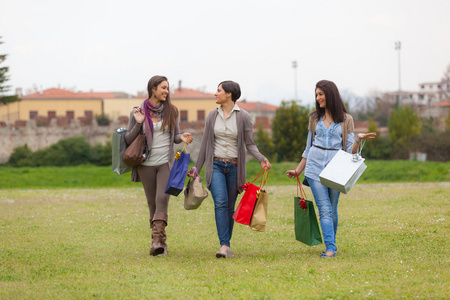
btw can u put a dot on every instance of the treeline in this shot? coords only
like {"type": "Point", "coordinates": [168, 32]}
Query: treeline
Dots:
{"type": "Point", "coordinates": [69, 152]}
{"type": "Point", "coordinates": [407, 133]}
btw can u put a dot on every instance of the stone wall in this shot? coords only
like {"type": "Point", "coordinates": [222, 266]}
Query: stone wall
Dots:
{"type": "Point", "coordinates": [40, 137]}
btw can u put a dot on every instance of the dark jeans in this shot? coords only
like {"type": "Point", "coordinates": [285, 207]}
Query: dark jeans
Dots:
{"type": "Point", "coordinates": [224, 191]}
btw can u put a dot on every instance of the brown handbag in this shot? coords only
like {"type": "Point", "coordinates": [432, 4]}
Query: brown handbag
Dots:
{"type": "Point", "coordinates": [136, 152]}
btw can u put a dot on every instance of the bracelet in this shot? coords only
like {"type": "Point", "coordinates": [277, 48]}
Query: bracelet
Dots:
{"type": "Point", "coordinates": [357, 141]}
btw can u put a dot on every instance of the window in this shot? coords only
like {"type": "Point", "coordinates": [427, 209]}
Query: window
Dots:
{"type": "Point", "coordinates": [200, 115]}
{"type": "Point", "coordinates": [51, 114]}
{"type": "Point", "coordinates": [33, 114]}
{"type": "Point", "coordinates": [183, 116]}
{"type": "Point", "coordinates": [88, 114]}
{"type": "Point", "coordinates": [70, 114]}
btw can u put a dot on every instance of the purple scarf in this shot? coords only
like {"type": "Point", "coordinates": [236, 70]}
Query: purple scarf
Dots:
{"type": "Point", "coordinates": [151, 111]}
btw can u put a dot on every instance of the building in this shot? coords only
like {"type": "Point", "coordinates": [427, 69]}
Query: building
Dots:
{"type": "Point", "coordinates": [429, 94]}
{"type": "Point", "coordinates": [53, 103]}
{"type": "Point", "coordinates": [261, 113]}
{"type": "Point", "coordinates": [193, 106]}
{"type": "Point", "coordinates": [59, 103]}
{"type": "Point", "coordinates": [439, 113]}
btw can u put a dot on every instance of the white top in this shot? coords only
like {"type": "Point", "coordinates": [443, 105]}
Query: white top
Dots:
{"type": "Point", "coordinates": [226, 135]}
{"type": "Point", "coordinates": [159, 153]}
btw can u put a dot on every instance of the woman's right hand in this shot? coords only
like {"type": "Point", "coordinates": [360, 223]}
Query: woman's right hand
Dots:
{"type": "Point", "coordinates": [139, 115]}
{"type": "Point", "coordinates": [191, 172]}
{"type": "Point", "coordinates": [291, 173]}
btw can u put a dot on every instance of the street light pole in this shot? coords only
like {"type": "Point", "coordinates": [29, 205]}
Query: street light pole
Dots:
{"type": "Point", "coordinates": [398, 46]}
{"type": "Point", "coordinates": [294, 65]}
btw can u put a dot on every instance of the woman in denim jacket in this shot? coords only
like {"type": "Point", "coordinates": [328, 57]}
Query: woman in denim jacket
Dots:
{"type": "Point", "coordinates": [330, 129]}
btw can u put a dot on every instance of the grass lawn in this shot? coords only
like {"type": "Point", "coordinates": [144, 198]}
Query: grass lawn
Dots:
{"type": "Point", "coordinates": [89, 176]}
{"type": "Point", "coordinates": [93, 243]}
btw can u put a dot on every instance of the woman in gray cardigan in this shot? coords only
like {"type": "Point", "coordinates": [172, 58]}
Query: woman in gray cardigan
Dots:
{"type": "Point", "coordinates": [158, 118]}
{"type": "Point", "coordinates": [228, 132]}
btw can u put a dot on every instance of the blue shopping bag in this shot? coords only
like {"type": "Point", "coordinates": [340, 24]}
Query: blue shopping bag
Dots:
{"type": "Point", "coordinates": [178, 173]}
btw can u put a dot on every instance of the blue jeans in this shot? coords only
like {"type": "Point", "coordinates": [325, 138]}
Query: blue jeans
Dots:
{"type": "Point", "coordinates": [327, 201]}
{"type": "Point", "coordinates": [224, 191]}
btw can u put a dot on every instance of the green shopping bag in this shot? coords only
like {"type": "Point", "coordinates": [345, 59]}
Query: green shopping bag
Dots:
{"type": "Point", "coordinates": [306, 226]}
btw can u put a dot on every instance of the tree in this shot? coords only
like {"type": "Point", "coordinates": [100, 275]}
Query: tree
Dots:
{"type": "Point", "coordinates": [361, 108]}
{"type": "Point", "coordinates": [445, 84]}
{"type": "Point", "coordinates": [5, 99]}
{"type": "Point", "coordinates": [379, 148]}
{"type": "Point", "coordinates": [403, 126]}
{"type": "Point", "coordinates": [265, 144]}
{"type": "Point", "coordinates": [290, 130]}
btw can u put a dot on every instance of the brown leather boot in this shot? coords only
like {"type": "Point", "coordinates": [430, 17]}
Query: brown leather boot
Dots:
{"type": "Point", "coordinates": [151, 228]}
{"type": "Point", "coordinates": [159, 237]}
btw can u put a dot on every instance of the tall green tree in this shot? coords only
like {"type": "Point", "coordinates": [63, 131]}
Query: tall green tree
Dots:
{"type": "Point", "coordinates": [5, 99]}
{"type": "Point", "coordinates": [403, 126]}
{"type": "Point", "coordinates": [379, 148]}
{"type": "Point", "coordinates": [290, 130]}
{"type": "Point", "coordinates": [265, 143]}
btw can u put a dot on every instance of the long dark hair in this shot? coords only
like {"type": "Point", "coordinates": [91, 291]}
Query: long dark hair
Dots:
{"type": "Point", "coordinates": [170, 111]}
{"type": "Point", "coordinates": [334, 102]}
{"type": "Point", "coordinates": [231, 87]}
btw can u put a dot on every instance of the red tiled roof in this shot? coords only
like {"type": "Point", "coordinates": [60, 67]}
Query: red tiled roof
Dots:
{"type": "Point", "coordinates": [445, 103]}
{"type": "Point", "coordinates": [185, 93]}
{"type": "Point", "coordinates": [65, 94]}
{"type": "Point", "coordinates": [256, 106]}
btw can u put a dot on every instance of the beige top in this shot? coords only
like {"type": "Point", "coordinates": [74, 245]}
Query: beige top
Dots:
{"type": "Point", "coordinates": [245, 141]}
{"type": "Point", "coordinates": [226, 134]}
{"type": "Point", "coordinates": [160, 146]}
{"type": "Point", "coordinates": [133, 130]}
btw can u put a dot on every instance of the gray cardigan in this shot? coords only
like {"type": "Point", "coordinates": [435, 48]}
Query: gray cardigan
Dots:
{"type": "Point", "coordinates": [245, 130]}
{"type": "Point", "coordinates": [132, 132]}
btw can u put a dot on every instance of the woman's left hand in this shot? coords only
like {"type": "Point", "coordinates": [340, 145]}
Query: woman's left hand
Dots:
{"type": "Point", "coordinates": [187, 138]}
{"type": "Point", "coordinates": [265, 164]}
{"type": "Point", "coordinates": [366, 136]}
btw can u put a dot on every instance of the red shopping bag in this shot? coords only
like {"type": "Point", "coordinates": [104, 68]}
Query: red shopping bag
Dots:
{"type": "Point", "coordinates": [244, 211]}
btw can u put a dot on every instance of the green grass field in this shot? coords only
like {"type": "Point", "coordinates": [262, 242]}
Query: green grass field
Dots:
{"type": "Point", "coordinates": [93, 177]}
{"type": "Point", "coordinates": [93, 241]}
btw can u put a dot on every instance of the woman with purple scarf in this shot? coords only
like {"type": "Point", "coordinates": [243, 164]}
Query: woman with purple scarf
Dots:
{"type": "Point", "coordinates": [159, 121]}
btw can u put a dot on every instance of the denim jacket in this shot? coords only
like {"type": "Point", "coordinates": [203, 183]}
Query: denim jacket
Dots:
{"type": "Point", "coordinates": [337, 136]}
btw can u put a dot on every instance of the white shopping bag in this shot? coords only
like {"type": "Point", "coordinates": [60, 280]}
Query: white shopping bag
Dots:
{"type": "Point", "coordinates": [342, 171]}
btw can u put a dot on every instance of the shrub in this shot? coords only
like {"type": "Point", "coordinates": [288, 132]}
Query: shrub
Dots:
{"type": "Point", "coordinates": [21, 157]}
{"type": "Point", "coordinates": [102, 120]}
{"type": "Point", "coordinates": [435, 145]}
{"type": "Point", "coordinates": [69, 152]}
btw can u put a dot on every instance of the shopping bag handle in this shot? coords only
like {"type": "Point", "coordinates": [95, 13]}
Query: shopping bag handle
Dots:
{"type": "Point", "coordinates": [300, 187]}
{"type": "Point", "coordinates": [196, 174]}
{"type": "Point", "coordinates": [259, 174]}
{"type": "Point", "coordinates": [265, 179]}
{"type": "Point", "coordinates": [178, 154]}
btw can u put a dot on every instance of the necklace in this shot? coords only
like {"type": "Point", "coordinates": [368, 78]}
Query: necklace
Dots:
{"type": "Point", "coordinates": [325, 120]}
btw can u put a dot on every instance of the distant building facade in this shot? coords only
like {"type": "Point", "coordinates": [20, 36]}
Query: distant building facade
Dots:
{"type": "Point", "coordinates": [429, 94]}
{"type": "Point", "coordinates": [61, 104]}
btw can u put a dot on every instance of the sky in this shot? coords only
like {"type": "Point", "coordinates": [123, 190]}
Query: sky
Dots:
{"type": "Point", "coordinates": [118, 45]}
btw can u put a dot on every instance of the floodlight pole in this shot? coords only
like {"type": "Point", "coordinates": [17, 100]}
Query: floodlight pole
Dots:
{"type": "Point", "coordinates": [294, 65]}
{"type": "Point", "coordinates": [398, 46]}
